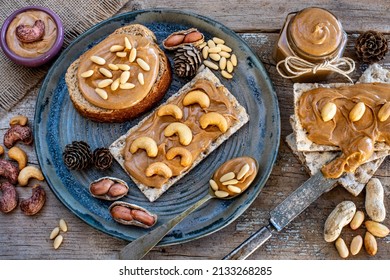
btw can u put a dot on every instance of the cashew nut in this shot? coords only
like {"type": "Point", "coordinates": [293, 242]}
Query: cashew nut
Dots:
{"type": "Point", "coordinates": [19, 119]}
{"type": "Point", "coordinates": [186, 156]}
{"type": "Point", "coordinates": [158, 168]}
{"type": "Point", "coordinates": [213, 118]}
{"type": "Point", "coordinates": [146, 143]}
{"type": "Point", "coordinates": [16, 133]}
{"type": "Point", "coordinates": [19, 155]}
{"type": "Point", "coordinates": [32, 205]}
{"type": "Point", "coordinates": [9, 171]}
{"type": "Point", "coordinates": [170, 110]}
{"type": "Point", "coordinates": [29, 34]}
{"type": "Point", "coordinates": [182, 130]}
{"type": "Point", "coordinates": [9, 200]}
{"type": "Point", "coordinates": [197, 96]}
{"type": "Point", "coordinates": [29, 172]}
{"type": "Point", "coordinates": [1, 150]}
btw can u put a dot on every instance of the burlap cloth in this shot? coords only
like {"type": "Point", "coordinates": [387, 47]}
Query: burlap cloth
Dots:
{"type": "Point", "coordinates": [77, 16]}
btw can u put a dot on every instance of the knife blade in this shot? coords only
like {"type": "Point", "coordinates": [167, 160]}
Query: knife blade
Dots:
{"type": "Point", "coordinates": [284, 213]}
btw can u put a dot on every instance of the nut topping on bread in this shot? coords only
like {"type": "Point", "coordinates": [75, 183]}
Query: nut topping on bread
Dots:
{"type": "Point", "coordinates": [130, 54]}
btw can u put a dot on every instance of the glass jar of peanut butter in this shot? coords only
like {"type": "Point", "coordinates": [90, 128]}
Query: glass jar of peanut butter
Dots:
{"type": "Point", "coordinates": [309, 42]}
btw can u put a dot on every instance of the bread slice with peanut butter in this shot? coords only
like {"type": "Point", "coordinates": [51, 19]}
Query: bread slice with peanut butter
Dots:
{"type": "Point", "coordinates": [95, 97]}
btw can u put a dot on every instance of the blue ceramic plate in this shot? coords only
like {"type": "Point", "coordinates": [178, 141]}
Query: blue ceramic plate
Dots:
{"type": "Point", "coordinates": [57, 124]}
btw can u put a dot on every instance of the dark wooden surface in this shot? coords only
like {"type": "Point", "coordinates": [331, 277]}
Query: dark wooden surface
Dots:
{"type": "Point", "coordinates": [258, 23]}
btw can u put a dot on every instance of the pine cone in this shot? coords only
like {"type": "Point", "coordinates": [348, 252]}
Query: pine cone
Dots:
{"type": "Point", "coordinates": [187, 61]}
{"type": "Point", "coordinates": [102, 158]}
{"type": "Point", "coordinates": [77, 155]}
{"type": "Point", "coordinates": [371, 46]}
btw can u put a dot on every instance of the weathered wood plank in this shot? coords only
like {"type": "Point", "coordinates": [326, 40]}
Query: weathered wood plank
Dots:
{"type": "Point", "coordinates": [269, 16]}
{"type": "Point", "coordinates": [24, 237]}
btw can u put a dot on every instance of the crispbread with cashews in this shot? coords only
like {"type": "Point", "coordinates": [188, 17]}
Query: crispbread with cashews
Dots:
{"type": "Point", "coordinates": [118, 146]}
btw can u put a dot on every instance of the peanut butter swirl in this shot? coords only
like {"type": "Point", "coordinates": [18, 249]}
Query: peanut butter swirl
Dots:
{"type": "Point", "coordinates": [316, 31]}
{"type": "Point", "coordinates": [154, 126]}
{"type": "Point", "coordinates": [356, 139]}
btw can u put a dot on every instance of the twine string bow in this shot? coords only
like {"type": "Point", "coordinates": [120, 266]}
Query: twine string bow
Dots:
{"type": "Point", "coordinates": [296, 66]}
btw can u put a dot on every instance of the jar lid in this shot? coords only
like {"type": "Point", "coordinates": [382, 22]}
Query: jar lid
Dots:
{"type": "Point", "coordinates": [315, 32]}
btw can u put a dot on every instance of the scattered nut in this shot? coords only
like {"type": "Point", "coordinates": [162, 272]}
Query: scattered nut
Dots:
{"type": "Point", "coordinates": [133, 55]}
{"type": "Point", "coordinates": [127, 86]}
{"type": "Point", "coordinates": [211, 44]}
{"type": "Point", "coordinates": [141, 79]}
{"type": "Point", "coordinates": [370, 244]}
{"type": "Point", "coordinates": [226, 75]}
{"type": "Point", "coordinates": [205, 52]}
{"type": "Point", "coordinates": [357, 220]}
{"type": "Point", "coordinates": [87, 74]}
{"type": "Point", "coordinates": [218, 40]}
{"type": "Point", "coordinates": [145, 143]}
{"type": "Point", "coordinates": [210, 64]}
{"type": "Point", "coordinates": [63, 225]}
{"type": "Point", "coordinates": [233, 59]}
{"type": "Point", "coordinates": [214, 118]}
{"type": "Point", "coordinates": [243, 171]}
{"type": "Point", "coordinates": [214, 56]}
{"type": "Point", "coordinates": [121, 54]}
{"type": "Point", "coordinates": [229, 66]}
{"type": "Point", "coordinates": [186, 156]}
{"type": "Point", "coordinates": [116, 48]}
{"type": "Point", "coordinates": [328, 111]}
{"type": "Point", "coordinates": [227, 177]}
{"type": "Point", "coordinates": [180, 129]}
{"type": "Point", "coordinates": [214, 50]}
{"type": "Point", "coordinates": [338, 218]}
{"type": "Point", "coordinates": [9, 199]}
{"type": "Point", "coordinates": [18, 133]}
{"type": "Point", "coordinates": [342, 248]}
{"type": "Point", "coordinates": [115, 84]}
{"type": "Point", "coordinates": [384, 112]}
{"type": "Point", "coordinates": [131, 214]}
{"type": "Point", "coordinates": [27, 173]}
{"type": "Point", "coordinates": [98, 60]}
{"type": "Point", "coordinates": [357, 112]}
{"type": "Point", "coordinates": [32, 205]}
{"type": "Point", "coordinates": [105, 72]}
{"type": "Point", "coordinates": [170, 110]}
{"type": "Point", "coordinates": [30, 34]}
{"type": "Point", "coordinates": [128, 44]}
{"type": "Point", "coordinates": [58, 241]}
{"type": "Point", "coordinates": [9, 171]}
{"type": "Point", "coordinates": [124, 77]}
{"type": "Point", "coordinates": [222, 63]}
{"type": "Point", "coordinates": [19, 119]}
{"type": "Point", "coordinates": [197, 97]}
{"type": "Point", "coordinates": [356, 245]}
{"type": "Point", "coordinates": [374, 203]}
{"type": "Point", "coordinates": [54, 233]}
{"type": "Point", "coordinates": [102, 93]}
{"type": "Point", "coordinates": [224, 48]}
{"type": "Point", "coordinates": [105, 83]}
{"type": "Point", "coordinates": [377, 229]}
{"type": "Point", "coordinates": [18, 155]}
{"type": "Point", "coordinates": [213, 185]}
{"type": "Point", "coordinates": [158, 168]}
{"type": "Point", "coordinates": [143, 64]}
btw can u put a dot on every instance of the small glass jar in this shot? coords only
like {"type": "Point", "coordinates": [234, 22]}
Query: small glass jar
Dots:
{"type": "Point", "coordinates": [314, 35]}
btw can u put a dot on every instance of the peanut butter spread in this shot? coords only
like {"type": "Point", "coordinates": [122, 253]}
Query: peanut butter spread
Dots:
{"type": "Point", "coordinates": [356, 139]}
{"type": "Point", "coordinates": [316, 32]}
{"type": "Point", "coordinates": [119, 98]}
{"type": "Point", "coordinates": [235, 166]}
{"type": "Point", "coordinates": [32, 49]}
{"type": "Point", "coordinates": [154, 127]}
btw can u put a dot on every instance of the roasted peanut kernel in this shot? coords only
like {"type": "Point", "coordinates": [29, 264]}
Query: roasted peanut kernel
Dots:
{"type": "Point", "coordinates": [101, 187]}
{"type": "Point", "coordinates": [142, 217]}
{"type": "Point", "coordinates": [357, 220]}
{"type": "Point", "coordinates": [356, 245]}
{"type": "Point", "coordinates": [121, 212]}
{"type": "Point", "coordinates": [370, 244]}
{"type": "Point", "coordinates": [384, 112]}
{"type": "Point", "coordinates": [342, 248]}
{"type": "Point", "coordinates": [193, 37]}
{"type": "Point", "coordinates": [117, 190]}
{"type": "Point", "coordinates": [357, 112]}
{"type": "Point", "coordinates": [328, 111]}
{"type": "Point", "coordinates": [174, 40]}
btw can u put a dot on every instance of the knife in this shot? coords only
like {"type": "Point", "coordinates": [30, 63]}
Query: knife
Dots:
{"type": "Point", "coordinates": [284, 213]}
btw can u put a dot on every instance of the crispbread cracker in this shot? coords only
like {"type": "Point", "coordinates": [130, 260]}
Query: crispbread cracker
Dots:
{"type": "Point", "coordinates": [352, 182]}
{"type": "Point", "coordinates": [374, 73]}
{"type": "Point", "coordinates": [152, 194]}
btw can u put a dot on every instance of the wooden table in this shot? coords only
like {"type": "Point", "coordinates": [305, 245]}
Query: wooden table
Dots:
{"type": "Point", "coordinates": [258, 23]}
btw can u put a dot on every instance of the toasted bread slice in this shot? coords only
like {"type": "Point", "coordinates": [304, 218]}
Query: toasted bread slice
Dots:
{"type": "Point", "coordinates": [156, 93]}
{"type": "Point", "coordinates": [152, 194]}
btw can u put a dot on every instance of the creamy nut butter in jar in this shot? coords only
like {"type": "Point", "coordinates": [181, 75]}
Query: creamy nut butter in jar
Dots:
{"type": "Point", "coordinates": [311, 45]}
